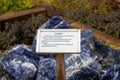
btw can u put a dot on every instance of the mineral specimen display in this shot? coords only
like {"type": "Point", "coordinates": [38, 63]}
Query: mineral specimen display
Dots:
{"type": "Point", "coordinates": [95, 62]}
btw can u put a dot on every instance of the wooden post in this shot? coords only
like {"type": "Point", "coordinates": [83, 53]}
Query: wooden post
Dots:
{"type": "Point", "coordinates": [50, 9]}
{"type": "Point", "coordinates": [60, 66]}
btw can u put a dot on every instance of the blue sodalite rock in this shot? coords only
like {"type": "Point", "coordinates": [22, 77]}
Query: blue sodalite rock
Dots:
{"type": "Point", "coordinates": [107, 55]}
{"type": "Point", "coordinates": [7, 77]}
{"type": "Point", "coordinates": [56, 22]}
{"type": "Point", "coordinates": [85, 74]}
{"type": "Point", "coordinates": [75, 63]}
{"type": "Point", "coordinates": [111, 73]}
{"type": "Point", "coordinates": [19, 64]}
{"type": "Point", "coordinates": [23, 63]}
{"type": "Point", "coordinates": [47, 70]}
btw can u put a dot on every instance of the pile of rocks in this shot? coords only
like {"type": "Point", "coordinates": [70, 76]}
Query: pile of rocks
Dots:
{"type": "Point", "coordinates": [95, 62]}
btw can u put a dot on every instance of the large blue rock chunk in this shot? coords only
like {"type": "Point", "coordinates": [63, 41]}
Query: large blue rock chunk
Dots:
{"type": "Point", "coordinates": [76, 64]}
{"type": "Point", "coordinates": [47, 70]}
{"type": "Point", "coordinates": [4, 75]}
{"type": "Point", "coordinates": [24, 51]}
{"type": "Point", "coordinates": [7, 77]}
{"type": "Point", "coordinates": [111, 73]}
{"type": "Point", "coordinates": [85, 74]}
{"type": "Point", "coordinates": [18, 64]}
{"type": "Point", "coordinates": [107, 55]}
{"type": "Point", "coordinates": [56, 22]}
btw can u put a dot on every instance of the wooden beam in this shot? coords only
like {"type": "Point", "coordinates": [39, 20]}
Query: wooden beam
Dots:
{"type": "Point", "coordinates": [50, 9]}
{"type": "Point", "coordinates": [7, 16]}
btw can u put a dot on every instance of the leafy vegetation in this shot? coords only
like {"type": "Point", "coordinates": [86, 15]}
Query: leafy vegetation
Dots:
{"type": "Point", "coordinates": [99, 14]}
{"type": "Point", "coordinates": [107, 23]}
{"type": "Point", "coordinates": [13, 5]}
{"type": "Point", "coordinates": [94, 6]}
{"type": "Point", "coordinates": [20, 32]}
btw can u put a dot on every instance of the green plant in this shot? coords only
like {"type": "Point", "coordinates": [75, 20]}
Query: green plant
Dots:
{"type": "Point", "coordinates": [94, 6]}
{"type": "Point", "coordinates": [77, 15]}
{"type": "Point", "coordinates": [13, 5]}
{"type": "Point", "coordinates": [107, 23]}
{"type": "Point", "coordinates": [113, 24]}
{"type": "Point", "coordinates": [20, 32]}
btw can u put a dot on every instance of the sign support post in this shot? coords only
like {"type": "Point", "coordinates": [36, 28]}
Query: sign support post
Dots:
{"type": "Point", "coordinates": [60, 64]}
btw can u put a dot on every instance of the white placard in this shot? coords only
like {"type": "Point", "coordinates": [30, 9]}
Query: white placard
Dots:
{"type": "Point", "coordinates": [58, 41]}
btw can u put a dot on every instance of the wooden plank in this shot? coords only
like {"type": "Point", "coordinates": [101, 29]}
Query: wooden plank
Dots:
{"type": "Point", "coordinates": [7, 16]}
{"type": "Point", "coordinates": [60, 66]}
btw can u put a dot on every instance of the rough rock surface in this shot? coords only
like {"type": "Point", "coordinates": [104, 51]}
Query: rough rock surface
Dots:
{"type": "Point", "coordinates": [17, 64]}
{"type": "Point", "coordinates": [47, 70]}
